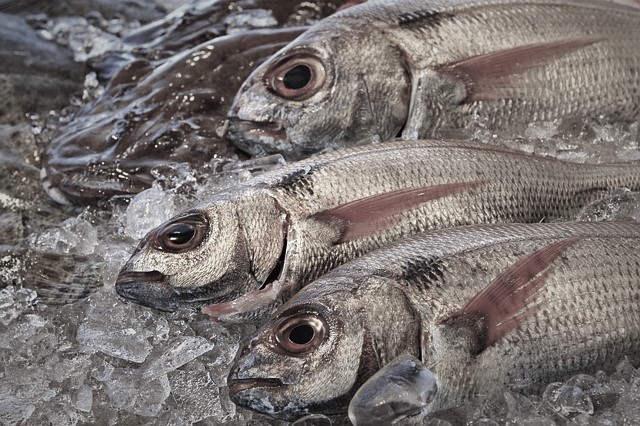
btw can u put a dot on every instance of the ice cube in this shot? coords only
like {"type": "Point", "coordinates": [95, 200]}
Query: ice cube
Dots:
{"type": "Point", "coordinates": [147, 210]}
{"type": "Point", "coordinates": [14, 302]}
{"type": "Point", "coordinates": [178, 352]}
{"type": "Point", "coordinates": [143, 396]}
{"type": "Point", "coordinates": [14, 411]}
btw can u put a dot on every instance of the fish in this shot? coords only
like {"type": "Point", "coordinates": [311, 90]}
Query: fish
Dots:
{"type": "Point", "coordinates": [416, 69]}
{"type": "Point", "coordinates": [242, 252]}
{"type": "Point", "coordinates": [482, 307]}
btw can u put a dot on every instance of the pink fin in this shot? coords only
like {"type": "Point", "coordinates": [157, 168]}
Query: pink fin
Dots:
{"type": "Point", "coordinates": [489, 76]}
{"type": "Point", "coordinates": [502, 306]}
{"type": "Point", "coordinates": [368, 216]}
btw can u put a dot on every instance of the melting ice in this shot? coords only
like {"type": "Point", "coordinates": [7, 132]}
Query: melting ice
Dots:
{"type": "Point", "coordinates": [104, 360]}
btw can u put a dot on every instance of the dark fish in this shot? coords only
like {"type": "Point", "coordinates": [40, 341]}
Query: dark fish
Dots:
{"type": "Point", "coordinates": [253, 245]}
{"type": "Point", "coordinates": [168, 103]}
{"type": "Point", "coordinates": [154, 115]}
{"type": "Point", "coordinates": [517, 305]}
{"type": "Point", "coordinates": [386, 68]}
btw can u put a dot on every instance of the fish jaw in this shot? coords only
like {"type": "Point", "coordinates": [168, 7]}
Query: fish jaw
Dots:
{"type": "Point", "coordinates": [149, 288]}
{"type": "Point", "coordinates": [258, 138]}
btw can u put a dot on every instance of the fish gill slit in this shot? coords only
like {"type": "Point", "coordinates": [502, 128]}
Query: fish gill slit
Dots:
{"type": "Point", "coordinates": [275, 273]}
{"type": "Point", "coordinates": [370, 105]}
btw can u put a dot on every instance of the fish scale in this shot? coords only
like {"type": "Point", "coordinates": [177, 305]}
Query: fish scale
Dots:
{"type": "Point", "coordinates": [421, 68]}
{"type": "Point", "coordinates": [584, 317]}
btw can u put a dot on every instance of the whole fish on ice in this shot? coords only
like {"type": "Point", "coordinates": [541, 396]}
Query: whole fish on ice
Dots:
{"type": "Point", "coordinates": [517, 305]}
{"type": "Point", "coordinates": [253, 245]}
{"type": "Point", "coordinates": [411, 68]}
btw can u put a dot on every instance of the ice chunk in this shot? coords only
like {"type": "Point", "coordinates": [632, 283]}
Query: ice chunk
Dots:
{"type": "Point", "coordinates": [113, 329]}
{"type": "Point", "coordinates": [143, 396]}
{"type": "Point", "coordinates": [178, 352]}
{"type": "Point", "coordinates": [147, 210]}
{"type": "Point", "coordinates": [197, 396]}
{"type": "Point", "coordinates": [248, 19]}
{"type": "Point", "coordinates": [14, 302]}
{"type": "Point", "coordinates": [399, 390]}
{"type": "Point", "coordinates": [313, 420]}
{"type": "Point", "coordinates": [14, 411]}
{"type": "Point", "coordinates": [503, 405]}
{"type": "Point", "coordinates": [83, 399]}
{"type": "Point", "coordinates": [622, 205]}
{"type": "Point", "coordinates": [74, 235]}
{"type": "Point", "coordinates": [84, 39]}
{"type": "Point", "coordinates": [568, 399]}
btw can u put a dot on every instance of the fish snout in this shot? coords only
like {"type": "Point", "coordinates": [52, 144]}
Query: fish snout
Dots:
{"type": "Point", "coordinates": [257, 137]}
{"type": "Point", "coordinates": [148, 288]}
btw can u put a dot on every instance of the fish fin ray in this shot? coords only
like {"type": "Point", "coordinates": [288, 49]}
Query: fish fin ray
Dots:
{"type": "Point", "coordinates": [367, 216]}
{"type": "Point", "coordinates": [490, 76]}
{"type": "Point", "coordinates": [503, 305]}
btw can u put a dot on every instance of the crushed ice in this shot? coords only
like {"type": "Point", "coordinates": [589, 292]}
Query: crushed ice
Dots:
{"type": "Point", "coordinates": [103, 360]}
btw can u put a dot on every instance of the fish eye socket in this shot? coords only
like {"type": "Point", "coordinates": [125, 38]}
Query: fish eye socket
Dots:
{"type": "Point", "coordinates": [182, 233]}
{"type": "Point", "coordinates": [296, 77]}
{"type": "Point", "coordinates": [300, 334]}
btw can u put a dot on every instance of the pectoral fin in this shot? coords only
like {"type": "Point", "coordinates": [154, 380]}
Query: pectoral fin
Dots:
{"type": "Point", "coordinates": [495, 75]}
{"type": "Point", "coordinates": [504, 305]}
{"type": "Point", "coordinates": [369, 216]}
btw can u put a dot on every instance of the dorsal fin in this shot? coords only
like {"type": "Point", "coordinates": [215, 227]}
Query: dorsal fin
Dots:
{"type": "Point", "coordinates": [502, 306]}
{"type": "Point", "coordinates": [491, 76]}
{"type": "Point", "coordinates": [368, 216]}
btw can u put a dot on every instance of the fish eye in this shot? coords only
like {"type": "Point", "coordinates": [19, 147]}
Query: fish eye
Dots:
{"type": "Point", "coordinates": [299, 334]}
{"type": "Point", "coordinates": [182, 233]}
{"type": "Point", "coordinates": [296, 77]}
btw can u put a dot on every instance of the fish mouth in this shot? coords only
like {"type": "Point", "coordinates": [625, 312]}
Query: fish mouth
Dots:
{"type": "Point", "coordinates": [238, 385]}
{"type": "Point", "coordinates": [257, 137]}
{"type": "Point", "coordinates": [148, 288]}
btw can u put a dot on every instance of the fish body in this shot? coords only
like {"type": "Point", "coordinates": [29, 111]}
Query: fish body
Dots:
{"type": "Point", "coordinates": [387, 68]}
{"type": "Point", "coordinates": [253, 245]}
{"type": "Point", "coordinates": [517, 305]}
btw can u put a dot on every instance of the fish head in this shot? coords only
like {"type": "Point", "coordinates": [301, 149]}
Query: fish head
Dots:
{"type": "Point", "coordinates": [320, 91]}
{"type": "Point", "coordinates": [315, 352]}
{"type": "Point", "coordinates": [212, 253]}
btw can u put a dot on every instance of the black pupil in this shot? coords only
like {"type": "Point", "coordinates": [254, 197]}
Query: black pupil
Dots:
{"type": "Point", "coordinates": [297, 77]}
{"type": "Point", "coordinates": [180, 234]}
{"type": "Point", "coordinates": [301, 334]}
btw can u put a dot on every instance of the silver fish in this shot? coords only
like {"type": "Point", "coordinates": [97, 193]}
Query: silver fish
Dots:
{"type": "Point", "coordinates": [255, 244]}
{"type": "Point", "coordinates": [517, 305]}
{"type": "Point", "coordinates": [413, 68]}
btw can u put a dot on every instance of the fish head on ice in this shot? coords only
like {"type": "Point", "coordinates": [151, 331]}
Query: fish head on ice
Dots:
{"type": "Point", "coordinates": [212, 253]}
{"type": "Point", "coordinates": [320, 347]}
{"type": "Point", "coordinates": [322, 90]}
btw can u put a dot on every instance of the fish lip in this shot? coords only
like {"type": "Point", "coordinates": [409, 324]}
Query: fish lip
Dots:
{"type": "Point", "coordinates": [238, 385]}
{"type": "Point", "coordinates": [245, 133]}
{"type": "Point", "coordinates": [147, 288]}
